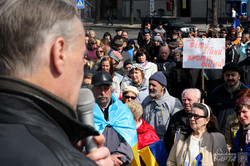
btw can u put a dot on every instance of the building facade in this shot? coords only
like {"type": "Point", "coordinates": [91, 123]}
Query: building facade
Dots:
{"type": "Point", "coordinates": [195, 9]}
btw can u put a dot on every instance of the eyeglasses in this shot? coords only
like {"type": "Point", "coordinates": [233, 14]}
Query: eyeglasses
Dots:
{"type": "Point", "coordinates": [247, 50]}
{"type": "Point", "coordinates": [195, 116]}
{"type": "Point", "coordinates": [99, 51]}
{"type": "Point", "coordinates": [132, 97]}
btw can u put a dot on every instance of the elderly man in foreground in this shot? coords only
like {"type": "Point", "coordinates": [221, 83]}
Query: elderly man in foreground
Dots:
{"type": "Point", "coordinates": [41, 57]}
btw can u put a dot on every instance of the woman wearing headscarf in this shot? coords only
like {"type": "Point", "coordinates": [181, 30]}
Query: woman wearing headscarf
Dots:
{"type": "Point", "coordinates": [138, 80]}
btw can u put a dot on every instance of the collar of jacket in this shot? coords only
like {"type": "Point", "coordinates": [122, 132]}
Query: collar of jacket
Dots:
{"type": "Point", "coordinates": [62, 112]}
{"type": "Point", "coordinates": [232, 91]}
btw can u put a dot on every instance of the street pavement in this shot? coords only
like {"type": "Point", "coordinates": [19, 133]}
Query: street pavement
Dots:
{"type": "Point", "coordinates": [133, 30]}
{"type": "Point", "coordinates": [125, 24]}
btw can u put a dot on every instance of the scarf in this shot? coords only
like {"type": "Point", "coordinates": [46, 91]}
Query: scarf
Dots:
{"type": "Point", "coordinates": [140, 85]}
{"type": "Point", "coordinates": [144, 63]}
{"type": "Point", "coordinates": [246, 132]}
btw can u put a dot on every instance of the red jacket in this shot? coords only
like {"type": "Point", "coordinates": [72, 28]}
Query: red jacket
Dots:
{"type": "Point", "coordinates": [146, 135]}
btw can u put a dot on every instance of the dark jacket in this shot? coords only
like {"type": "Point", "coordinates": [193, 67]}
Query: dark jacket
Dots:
{"type": "Point", "coordinates": [165, 66]}
{"type": "Point", "coordinates": [179, 122]}
{"type": "Point", "coordinates": [141, 37]}
{"type": "Point", "coordinates": [245, 71]}
{"type": "Point", "coordinates": [38, 128]}
{"type": "Point", "coordinates": [182, 78]}
{"type": "Point", "coordinates": [148, 47]}
{"type": "Point", "coordinates": [232, 55]}
{"type": "Point", "coordinates": [154, 52]}
{"type": "Point", "coordinates": [222, 102]}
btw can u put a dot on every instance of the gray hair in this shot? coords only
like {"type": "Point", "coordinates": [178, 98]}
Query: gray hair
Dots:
{"type": "Point", "coordinates": [91, 31]}
{"type": "Point", "coordinates": [27, 26]}
{"type": "Point", "coordinates": [197, 93]}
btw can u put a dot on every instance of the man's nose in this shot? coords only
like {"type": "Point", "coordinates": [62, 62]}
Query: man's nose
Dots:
{"type": "Point", "coordinates": [230, 77]}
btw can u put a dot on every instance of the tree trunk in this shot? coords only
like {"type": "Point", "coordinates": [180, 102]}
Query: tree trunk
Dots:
{"type": "Point", "coordinates": [131, 12]}
{"type": "Point", "coordinates": [214, 8]}
{"type": "Point", "coordinates": [175, 8]}
{"type": "Point", "coordinates": [97, 11]}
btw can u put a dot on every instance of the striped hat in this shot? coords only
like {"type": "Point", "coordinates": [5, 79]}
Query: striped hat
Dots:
{"type": "Point", "coordinates": [115, 55]}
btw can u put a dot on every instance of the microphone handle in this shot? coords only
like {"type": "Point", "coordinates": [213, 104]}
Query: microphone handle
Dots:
{"type": "Point", "coordinates": [90, 144]}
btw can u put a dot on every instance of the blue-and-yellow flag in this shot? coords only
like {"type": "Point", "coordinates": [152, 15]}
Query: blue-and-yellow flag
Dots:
{"type": "Point", "coordinates": [205, 75]}
{"type": "Point", "coordinates": [121, 119]}
{"type": "Point", "coordinates": [154, 154]}
{"type": "Point", "coordinates": [237, 23]}
{"type": "Point", "coordinates": [198, 159]}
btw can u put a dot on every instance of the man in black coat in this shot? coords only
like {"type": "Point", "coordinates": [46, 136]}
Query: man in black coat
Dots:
{"type": "Point", "coordinates": [222, 98]}
{"type": "Point", "coordinates": [41, 59]}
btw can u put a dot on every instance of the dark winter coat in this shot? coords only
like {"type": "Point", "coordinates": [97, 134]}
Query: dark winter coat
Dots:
{"type": "Point", "coordinates": [38, 128]}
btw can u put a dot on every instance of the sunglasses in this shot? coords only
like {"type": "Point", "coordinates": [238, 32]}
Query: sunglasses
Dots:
{"type": "Point", "coordinates": [99, 51]}
{"type": "Point", "coordinates": [247, 50]}
{"type": "Point", "coordinates": [195, 116]}
{"type": "Point", "coordinates": [132, 97]}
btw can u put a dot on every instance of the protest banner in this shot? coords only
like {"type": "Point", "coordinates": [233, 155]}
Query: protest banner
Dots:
{"type": "Point", "coordinates": [204, 53]}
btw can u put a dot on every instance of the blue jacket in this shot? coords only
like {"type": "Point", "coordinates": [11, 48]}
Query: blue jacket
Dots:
{"type": "Point", "coordinates": [236, 147]}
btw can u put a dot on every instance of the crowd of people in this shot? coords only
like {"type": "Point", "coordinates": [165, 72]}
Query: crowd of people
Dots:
{"type": "Point", "coordinates": [141, 93]}
{"type": "Point", "coordinates": [165, 98]}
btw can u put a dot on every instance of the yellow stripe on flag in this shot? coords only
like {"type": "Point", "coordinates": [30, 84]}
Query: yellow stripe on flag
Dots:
{"type": "Point", "coordinates": [136, 159]}
{"type": "Point", "coordinates": [148, 157]}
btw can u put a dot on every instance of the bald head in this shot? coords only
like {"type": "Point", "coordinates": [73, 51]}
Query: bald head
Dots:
{"type": "Point", "coordinates": [164, 52]}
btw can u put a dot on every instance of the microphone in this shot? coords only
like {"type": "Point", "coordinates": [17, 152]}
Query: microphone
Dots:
{"type": "Point", "coordinates": [85, 106]}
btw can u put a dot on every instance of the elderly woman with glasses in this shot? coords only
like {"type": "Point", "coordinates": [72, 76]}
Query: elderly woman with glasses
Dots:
{"type": "Point", "coordinates": [201, 144]}
{"type": "Point", "coordinates": [129, 94]}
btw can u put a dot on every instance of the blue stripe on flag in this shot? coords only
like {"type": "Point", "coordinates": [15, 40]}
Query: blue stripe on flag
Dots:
{"type": "Point", "coordinates": [158, 150]}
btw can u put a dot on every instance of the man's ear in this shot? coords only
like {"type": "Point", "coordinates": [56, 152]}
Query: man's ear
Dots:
{"type": "Point", "coordinates": [58, 56]}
